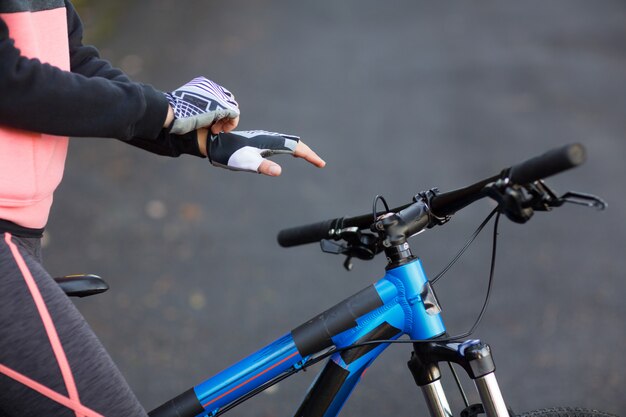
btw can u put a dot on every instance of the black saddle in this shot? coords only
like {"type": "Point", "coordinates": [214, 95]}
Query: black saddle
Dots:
{"type": "Point", "coordinates": [82, 285]}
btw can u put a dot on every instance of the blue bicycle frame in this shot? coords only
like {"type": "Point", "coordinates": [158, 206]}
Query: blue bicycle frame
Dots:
{"type": "Point", "coordinates": [400, 303]}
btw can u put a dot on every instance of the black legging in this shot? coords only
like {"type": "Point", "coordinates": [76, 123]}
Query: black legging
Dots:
{"type": "Point", "coordinates": [46, 345]}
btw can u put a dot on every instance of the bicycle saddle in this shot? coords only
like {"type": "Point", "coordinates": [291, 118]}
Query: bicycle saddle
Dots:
{"type": "Point", "coordinates": [82, 285]}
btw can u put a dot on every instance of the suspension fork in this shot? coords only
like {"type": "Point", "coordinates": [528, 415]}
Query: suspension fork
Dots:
{"type": "Point", "coordinates": [474, 357]}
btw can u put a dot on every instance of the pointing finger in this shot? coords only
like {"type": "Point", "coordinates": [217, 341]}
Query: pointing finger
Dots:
{"type": "Point", "coordinates": [303, 151]}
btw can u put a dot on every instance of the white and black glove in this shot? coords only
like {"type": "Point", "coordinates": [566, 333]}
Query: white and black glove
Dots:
{"type": "Point", "coordinates": [200, 103]}
{"type": "Point", "coordinates": [245, 150]}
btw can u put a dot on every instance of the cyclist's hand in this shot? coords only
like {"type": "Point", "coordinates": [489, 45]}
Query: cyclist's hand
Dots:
{"type": "Point", "coordinates": [203, 103]}
{"type": "Point", "coordinates": [246, 151]}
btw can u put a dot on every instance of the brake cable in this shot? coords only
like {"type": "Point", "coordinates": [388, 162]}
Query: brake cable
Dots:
{"type": "Point", "coordinates": [375, 204]}
{"type": "Point", "coordinates": [464, 248]}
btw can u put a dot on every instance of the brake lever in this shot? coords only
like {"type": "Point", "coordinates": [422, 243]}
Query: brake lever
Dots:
{"type": "Point", "coordinates": [581, 199]}
{"type": "Point", "coordinates": [543, 198]}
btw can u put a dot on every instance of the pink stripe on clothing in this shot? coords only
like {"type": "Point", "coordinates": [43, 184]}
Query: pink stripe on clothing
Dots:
{"type": "Point", "coordinates": [51, 330]}
{"type": "Point", "coordinates": [53, 395]}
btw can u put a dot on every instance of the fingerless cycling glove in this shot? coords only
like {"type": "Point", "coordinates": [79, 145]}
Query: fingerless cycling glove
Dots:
{"type": "Point", "coordinates": [200, 103]}
{"type": "Point", "coordinates": [245, 150]}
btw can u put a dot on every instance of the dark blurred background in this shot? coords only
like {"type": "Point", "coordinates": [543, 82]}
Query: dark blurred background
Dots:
{"type": "Point", "coordinates": [398, 97]}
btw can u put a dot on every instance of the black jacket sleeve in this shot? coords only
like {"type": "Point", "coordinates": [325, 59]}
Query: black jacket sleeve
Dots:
{"type": "Point", "coordinates": [94, 99]}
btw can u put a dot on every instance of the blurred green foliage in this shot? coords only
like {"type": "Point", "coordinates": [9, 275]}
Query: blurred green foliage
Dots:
{"type": "Point", "coordinates": [100, 18]}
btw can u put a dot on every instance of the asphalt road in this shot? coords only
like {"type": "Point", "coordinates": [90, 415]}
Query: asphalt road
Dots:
{"type": "Point", "coordinates": [398, 97]}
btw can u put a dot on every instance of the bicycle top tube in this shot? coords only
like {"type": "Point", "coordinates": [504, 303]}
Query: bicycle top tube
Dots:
{"type": "Point", "coordinates": [399, 303]}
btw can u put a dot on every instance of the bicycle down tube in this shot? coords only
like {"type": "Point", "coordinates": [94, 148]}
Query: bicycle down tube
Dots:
{"type": "Point", "coordinates": [400, 303]}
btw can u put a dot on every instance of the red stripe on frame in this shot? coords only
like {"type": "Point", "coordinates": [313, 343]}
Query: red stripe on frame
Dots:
{"type": "Point", "coordinates": [250, 379]}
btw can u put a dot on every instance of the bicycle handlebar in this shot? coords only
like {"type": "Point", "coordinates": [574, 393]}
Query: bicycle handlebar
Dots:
{"type": "Point", "coordinates": [550, 163]}
{"type": "Point", "coordinates": [310, 233]}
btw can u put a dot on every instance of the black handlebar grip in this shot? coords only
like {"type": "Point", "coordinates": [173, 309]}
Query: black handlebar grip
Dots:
{"type": "Point", "coordinates": [550, 163]}
{"type": "Point", "coordinates": [305, 234]}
